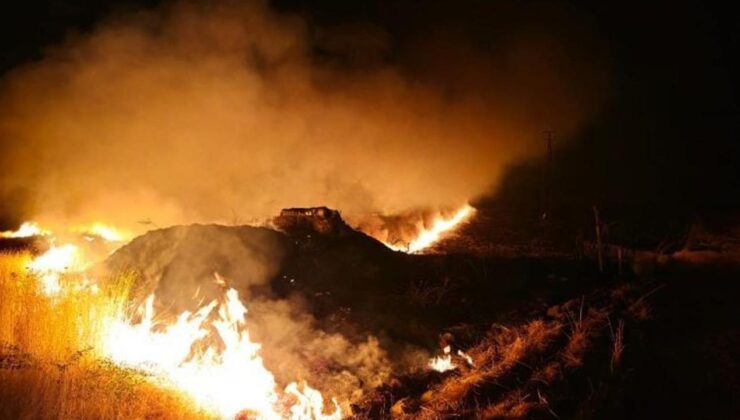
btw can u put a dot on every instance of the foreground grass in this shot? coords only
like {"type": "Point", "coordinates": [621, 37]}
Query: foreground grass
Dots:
{"type": "Point", "coordinates": [51, 363]}
{"type": "Point", "coordinates": [86, 390]}
{"type": "Point", "coordinates": [529, 369]}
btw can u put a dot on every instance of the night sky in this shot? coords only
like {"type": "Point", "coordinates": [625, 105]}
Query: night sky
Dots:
{"type": "Point", "coordinates": [665, 141]}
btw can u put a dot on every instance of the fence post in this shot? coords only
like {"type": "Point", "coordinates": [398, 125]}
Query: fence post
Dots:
{"type": "Point", "coordinates": [599, 248]}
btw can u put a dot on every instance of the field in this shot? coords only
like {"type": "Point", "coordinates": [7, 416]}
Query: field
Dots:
{"type": "Point", "coordinates": [541, 336]}
{"type": "Point", "coordinates": [50, 356]}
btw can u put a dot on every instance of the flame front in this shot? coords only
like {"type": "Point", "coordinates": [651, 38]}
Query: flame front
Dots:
{"type": "Point", "coordinates": [26, 230]}
{"type": "Point", "coordinates": [429, 236]}
{"type": "Point", "coordinates": [227, 381]}
{"type": "Point", "coordinates": [50, 265]}
{"type": "Point", "coordinates": [207, 354]}
{"type": "Point", "coordinates": [103, 231]}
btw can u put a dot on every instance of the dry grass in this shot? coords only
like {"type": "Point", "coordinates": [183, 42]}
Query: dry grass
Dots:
{"type": "Point", "coordinates": [584, 328]}
{"type": "Point", "coordinates": [53, 328]}
{"type": "Point", "coordinates": [86, 390]}
{"type": "Point", "coordinates": [617, 336]}
{"type": "Point", "coordinates": [537, 368]}
{"type": "Point", "coordinates": [498, 356]}
{"type": "Point", "coordinates": [50, 363]}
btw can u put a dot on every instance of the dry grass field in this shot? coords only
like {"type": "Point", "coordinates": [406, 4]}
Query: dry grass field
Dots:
{"type": "Point", "coordinates": [50, 356]}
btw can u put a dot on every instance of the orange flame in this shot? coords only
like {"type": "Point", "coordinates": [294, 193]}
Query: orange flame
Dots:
{"type": "Point", "coordinates": [103, 231]}
{"type": "Point", "coordinates": [50, 265]}
{"type": "Point", "coordinates": [226, 376]}
{"type": "Point", "coordinates": [66, 258]}
{"type": "Point", "coordinates": [26, 230]}
{"type": "Point", "coordinates": [429, 236]}
{"type": "Point", "coordinates": [229, 381]}
{"type": "Point", "coordinates": [443, 363]}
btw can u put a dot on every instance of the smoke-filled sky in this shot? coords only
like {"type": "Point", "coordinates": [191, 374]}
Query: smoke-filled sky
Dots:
{"type": "Point", "coordinates": [134, 110]}
{"type": "Point", "coordinates": [228, 111]}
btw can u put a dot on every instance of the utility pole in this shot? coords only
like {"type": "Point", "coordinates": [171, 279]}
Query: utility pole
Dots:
{"type": "Point", "coordinates": [546, 202]}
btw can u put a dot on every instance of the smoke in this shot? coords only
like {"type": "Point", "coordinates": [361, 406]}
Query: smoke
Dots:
{"type": "Point", "coordinates": [198, 112]}
{"type": "Point", "coordinates": [228, 112]}
{"type": "Point", "coordinates": [178, 266]}
{"type": "Point", "coordinates": [297, 349]}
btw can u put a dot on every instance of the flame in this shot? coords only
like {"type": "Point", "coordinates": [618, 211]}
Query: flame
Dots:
{"type": "Point", "coordinates": [228, 381]}
{"type": "Point", "coordinates": [429, 236]}
{"type": "Point", "coordinates": [50, 265]}
{"type": "Point", "coordinates": [106, 232]}
{"type": "Point", "coordinates": [26, 230]}
{"type": "Point", "coordinates": [95, 229]}
{"type": "Point", "coordinates": [66, 258]}
{"type": "Point", "coordinates": [443, 363]}
{"type": "Point", "coordinates": [207, 354]}
{"type": "Point", "coordinates": [466, 357]}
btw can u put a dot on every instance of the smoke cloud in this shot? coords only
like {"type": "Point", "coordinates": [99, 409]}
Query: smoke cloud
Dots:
{"type": "Point", "coordinates": [179, 265]}
{"type": "Point", "coordinates": [229, 112]}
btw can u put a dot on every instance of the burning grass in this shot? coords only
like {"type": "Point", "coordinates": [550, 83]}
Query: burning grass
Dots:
{"type": "Point", "coordinates": [524, 370]}
{"type": "Point", "coordinates": [51, 363]}
{"type": "Point", "coordinates": [54, 328]}
{"type": "Point", "coordinates": [59, 358]}
{"type": "Point", "coordinates": [77, 352]}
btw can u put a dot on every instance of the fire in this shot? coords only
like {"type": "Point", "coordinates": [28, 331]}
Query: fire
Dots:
{"type": "Point", "coordinates": [26, 230]}
{"type": "Point", "coordinates": [50, 266]}
{"type": "Point", "coordinates": [106, 232]}
{"type": "Point", "coordinates": [443, 363]}
{"type": "Point", "coordinates": [67, 258]}
{"type": "Point", "coordinates": [96, 229]}
{"type": "Point", "coordinates": [228, 380]}
{"type": "Point", "coordinates": [207, 354]}
{"type": "Point", "coordinates": [467, 358]}
{"type": "Point", "coordinates": [429, 236]}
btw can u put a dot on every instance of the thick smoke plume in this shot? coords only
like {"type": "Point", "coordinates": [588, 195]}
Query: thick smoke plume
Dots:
{"type": "Point", "coordinates": [227, 113]}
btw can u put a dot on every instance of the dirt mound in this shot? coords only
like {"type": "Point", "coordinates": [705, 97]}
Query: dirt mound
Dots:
{"type": "Point", "coordinates": [179, 263]}
{"type": "Point", "coordinates": [343, 277]}
{"type": "Point", "coordinates": [293, 315]}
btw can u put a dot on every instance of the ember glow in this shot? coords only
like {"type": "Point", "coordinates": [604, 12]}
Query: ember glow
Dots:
{"type": "Point", "coordinates": [428, 236]}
